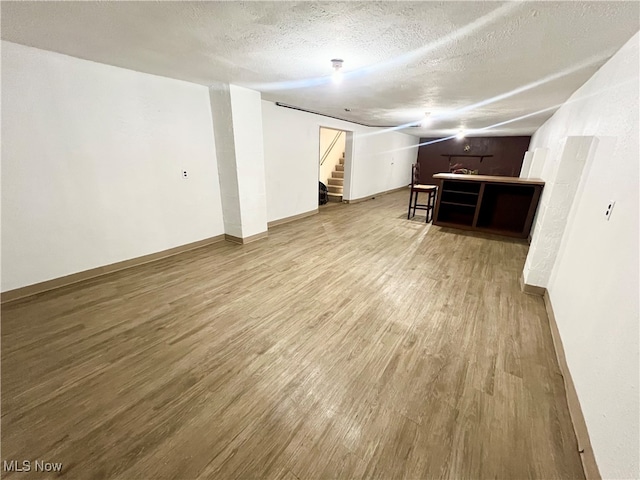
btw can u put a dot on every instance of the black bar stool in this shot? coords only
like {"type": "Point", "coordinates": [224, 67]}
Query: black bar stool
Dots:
{"type": "Point", "coordinates": [417, 188]}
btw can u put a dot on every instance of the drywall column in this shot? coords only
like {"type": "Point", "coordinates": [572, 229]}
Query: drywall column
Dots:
{"type": "Point", "coordinates": [527, 162]}
{"type": "Point", "coordinates": [554, 209]}
{"type": "Point", "coordinates": [537, 162]}
{"type": "Point", "coordinates": [237, 125]}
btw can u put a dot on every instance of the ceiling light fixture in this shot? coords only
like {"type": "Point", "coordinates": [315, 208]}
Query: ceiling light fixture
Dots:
{"type": "Point", "coordinates": [336, 63]}
{"type": "Point", "coordinates": [426, 120]}
{"type": "Point", "coordinates": [461, 134]}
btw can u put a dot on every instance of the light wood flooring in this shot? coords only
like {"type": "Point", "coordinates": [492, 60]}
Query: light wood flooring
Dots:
{"type": "Point", "coordinates": [351, 344]}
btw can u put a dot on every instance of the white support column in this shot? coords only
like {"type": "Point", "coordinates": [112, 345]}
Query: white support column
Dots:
{"type": "Point", "coordinates": [560, 190]}
{"type": "Point", "coordinates": [526, 164]}
{"type": "Point", "coordinates": [538, 160]}
{"type": "Point", "coordinates": [237, 122]}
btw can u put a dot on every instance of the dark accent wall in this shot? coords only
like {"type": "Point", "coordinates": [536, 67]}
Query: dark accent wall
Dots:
{"type": "Point", "coordinates": [507, 152]}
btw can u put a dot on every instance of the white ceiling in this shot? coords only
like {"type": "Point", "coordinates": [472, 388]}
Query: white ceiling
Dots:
{"type": "Point", "coordinates": [401, 59]}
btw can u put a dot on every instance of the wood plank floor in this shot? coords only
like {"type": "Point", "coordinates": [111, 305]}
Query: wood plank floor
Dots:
{"type": "Point", "coordinates": [350, 344]}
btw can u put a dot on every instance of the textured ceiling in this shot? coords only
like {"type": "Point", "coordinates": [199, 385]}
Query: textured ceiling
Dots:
{"type": "Point", "coordinates": [471, 64]}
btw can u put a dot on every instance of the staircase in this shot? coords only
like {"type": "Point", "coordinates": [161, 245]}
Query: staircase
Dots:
{"type": "Point", "coordinates": [336, 182]}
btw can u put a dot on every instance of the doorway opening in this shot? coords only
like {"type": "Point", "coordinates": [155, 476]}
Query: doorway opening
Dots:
{"type": "Point", "coordinates": [333, 155]}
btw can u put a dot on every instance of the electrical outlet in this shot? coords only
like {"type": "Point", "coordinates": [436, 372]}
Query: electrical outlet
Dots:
{"type": "Point", "coordinates": [610, 206]}
{"type": "Point", "coordinates": [184, 174]}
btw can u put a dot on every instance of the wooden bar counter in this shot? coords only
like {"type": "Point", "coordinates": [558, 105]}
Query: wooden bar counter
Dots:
{"type": "Point", "coordinates": [500, 205]}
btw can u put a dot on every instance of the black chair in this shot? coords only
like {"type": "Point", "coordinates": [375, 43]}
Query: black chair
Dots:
{"type": "Point", "coordinates": [323, 193]}
{"type": "Point", "coordinates": [417, 188]}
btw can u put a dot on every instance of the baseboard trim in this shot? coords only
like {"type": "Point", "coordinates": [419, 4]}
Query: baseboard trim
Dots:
{"type": "Point", "coordinates": [531, 289]}
{"type": "Point", "coordinates": [587, 456]}
{"type": "Point", "coordinates": [292, 218]}
{"type": "Point", "coordinates": [585, 449]}
{"type": "Point", "coordinates": [245, 240]}
{"type": "Point", "coordinates": [41, 287]}
{"type": "Point", "coordinates": [371, 197]}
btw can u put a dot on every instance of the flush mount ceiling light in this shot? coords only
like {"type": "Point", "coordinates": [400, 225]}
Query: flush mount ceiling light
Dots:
{"type": "Point", "coordinates": [336, 64]}
{"type": "Point", "coordinates": [461, 134]}
{"type": "Point", "coordinates": [426, 120]}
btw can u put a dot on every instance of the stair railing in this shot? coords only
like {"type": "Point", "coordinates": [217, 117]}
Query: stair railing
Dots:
{"type": "Point", "coordinates": [330, 147]}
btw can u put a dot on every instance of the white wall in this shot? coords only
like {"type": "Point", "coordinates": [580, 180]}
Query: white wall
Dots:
{"type": "Point", "coordinates": [91, 165]}
{"type": "Point", "coordinates": [594, 287]}
{"type": "Point", "coordinates": [291, 146]}
{"type": "Point", "coordinates": [383, 162]}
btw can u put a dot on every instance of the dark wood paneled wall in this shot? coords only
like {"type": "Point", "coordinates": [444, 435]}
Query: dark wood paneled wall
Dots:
{"type": "Point", "coordinates": [507, 152]}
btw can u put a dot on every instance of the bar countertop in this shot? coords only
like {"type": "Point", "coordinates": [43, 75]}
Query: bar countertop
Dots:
{"type": "Point", "coordinates": [488, 178]}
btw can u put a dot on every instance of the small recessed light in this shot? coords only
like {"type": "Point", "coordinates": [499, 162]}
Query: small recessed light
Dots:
{"type": "Point", "coordinates": [426, 120]}
{"type": "Point", "coordinates": [461, 134]}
